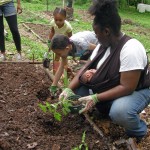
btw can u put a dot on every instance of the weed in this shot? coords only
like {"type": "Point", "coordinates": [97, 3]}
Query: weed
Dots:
{"type": "Point", "coordinates": [83, 144]}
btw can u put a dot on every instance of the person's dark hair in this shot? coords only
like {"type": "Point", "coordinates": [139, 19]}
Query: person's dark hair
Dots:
{"type": "Point", "coordinates": [59, 41]}
{"type": "Point", "coordinates": [59, 11]}
{"type": "Point", "coordinates": [106, 15]}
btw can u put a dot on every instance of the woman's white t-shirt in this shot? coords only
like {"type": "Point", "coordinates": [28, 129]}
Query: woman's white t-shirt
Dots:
{"type": "Point", "coordinates": [132, 56]}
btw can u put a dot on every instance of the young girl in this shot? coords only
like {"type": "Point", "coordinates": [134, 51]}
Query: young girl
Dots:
{"type": "Point", "coordinates": [73, 46]}
{"type": "Point", "coordinates": [59, 25]}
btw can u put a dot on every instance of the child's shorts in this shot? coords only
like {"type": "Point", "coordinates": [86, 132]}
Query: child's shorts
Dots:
{"type": "Point", "coordinates": [7, 9]}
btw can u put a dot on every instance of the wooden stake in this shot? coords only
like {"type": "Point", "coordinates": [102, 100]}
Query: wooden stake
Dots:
{"type": "Point", "coordinates": [63, 3]}
{"type": "Point", "coordinates": [95, 127]}
{"type": "Point", "coordinates": [17, 62]}
{"type": "Point", "coordinates": [50, 75]}
{"type": "Point", "coordinates": [29, 29]}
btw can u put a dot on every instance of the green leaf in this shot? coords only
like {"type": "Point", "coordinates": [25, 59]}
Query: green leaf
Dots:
{"type": "Point", "coordinates": [54, 105]}
{"type": "Point", "coordinates": [66, 104]}
{"type": "Point", "coordinates": [43, 107]}
{"type": "Point", "coordinates": [66, 82]}
{"type": "Point", "coordinates": [64, 111]}
{"type": "Point", "coordinates": [50, 108]}
{"type": "Point", "coordinates": [48, 105]}
{"type": "Point", "coordinates": [80, 147]}
{"type": "Point", "coordinates": [86, 146]}
{"type": "Point", "coordinates": [76, 148]}
{"type": "Point", "coordinates": [83, 137]}
{"type": "Point", "coordinates": [57, 116]}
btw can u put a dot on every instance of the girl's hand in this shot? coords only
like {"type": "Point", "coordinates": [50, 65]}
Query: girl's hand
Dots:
{"type": "Point", "coordinates": [66, 93]}
{"type": "Point", "coordinates": [53, 89]}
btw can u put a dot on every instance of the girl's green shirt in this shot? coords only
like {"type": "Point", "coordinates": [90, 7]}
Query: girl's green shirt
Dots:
{"type": "Point", "coordinates": [2, 2]}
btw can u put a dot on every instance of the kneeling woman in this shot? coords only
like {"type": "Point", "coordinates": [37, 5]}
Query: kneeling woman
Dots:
{"type": "Point", "coordinates": [121, 82]}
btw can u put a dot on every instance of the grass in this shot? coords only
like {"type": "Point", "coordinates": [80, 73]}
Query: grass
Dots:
{"type": "Point", "coordinates": [140, 29]}
{"type": "Point", "coordinates": [142, 19]}
{"type": "Point", "coordinates": [33, 12]}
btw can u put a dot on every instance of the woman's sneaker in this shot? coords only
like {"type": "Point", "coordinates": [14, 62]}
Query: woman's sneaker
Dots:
{"type": "Point", "coordinates": [2, 57]}
{"type": "Point", "coordinates": [18, 57]}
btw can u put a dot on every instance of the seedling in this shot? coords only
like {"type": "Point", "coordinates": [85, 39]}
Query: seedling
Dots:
{"type": "Point", "coordinates": [83, 144]}
{"type": "Point", "coordinates": [53, 108]}
{"type": "Point", "coordinates": [66, 106]}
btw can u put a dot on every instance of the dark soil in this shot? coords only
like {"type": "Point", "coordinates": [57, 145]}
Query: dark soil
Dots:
{"type": "Point", "coordinates": [40, 29]}
{"type": "Point", "coordinates": [24, 126]}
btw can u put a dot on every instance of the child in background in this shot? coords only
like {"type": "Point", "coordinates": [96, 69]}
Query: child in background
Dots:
{"type": "Point", "coordinates": [74, 46]}
{"type": "Point", "coordinates": [59, 25]}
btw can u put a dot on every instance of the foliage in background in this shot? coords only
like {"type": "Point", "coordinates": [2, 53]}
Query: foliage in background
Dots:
{"type": "Point", "coordinates": [33, 12]}
{"type": "Point", "coordinates": [80, 2]}
{"type": "Point", "coordinates": [122, 3]}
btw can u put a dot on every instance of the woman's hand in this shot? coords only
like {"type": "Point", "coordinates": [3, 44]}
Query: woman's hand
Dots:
{"type": "Point", "coordinates": [19, 8]}
{"type": "Point", "coordinates": [89, 102]}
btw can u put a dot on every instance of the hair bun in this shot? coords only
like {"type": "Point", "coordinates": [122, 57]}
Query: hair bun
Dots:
{"type": "Point", "coordinates": [103, 7]}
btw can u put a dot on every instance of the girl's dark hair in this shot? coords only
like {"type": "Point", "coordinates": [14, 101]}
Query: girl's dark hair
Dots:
{"type": "Point", "coordinates": [106, 15]}
{"type": "Point", "coordinates": [59, 41]}
{"type": "Point", "coordinates": [59, 11]}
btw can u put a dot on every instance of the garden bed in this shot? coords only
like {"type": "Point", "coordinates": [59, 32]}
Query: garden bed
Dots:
{"type": "Point", "coordinates": [24, 126]}
{"type": "Point", "coordinates": [40, 30]}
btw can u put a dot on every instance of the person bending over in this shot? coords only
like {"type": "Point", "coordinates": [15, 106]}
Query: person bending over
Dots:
{"type": "Point", "coordinates": [74, 46]}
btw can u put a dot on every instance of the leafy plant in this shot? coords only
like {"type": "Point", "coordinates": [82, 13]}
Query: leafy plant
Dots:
{"type": "Point", "coordinates": [66, 81]}
{"type": "Point", "coordinates": [83, 144]}
{"type": "Point", "coordinates": [53, 108]}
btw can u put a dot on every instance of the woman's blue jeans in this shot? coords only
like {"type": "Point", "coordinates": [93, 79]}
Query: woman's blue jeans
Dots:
{"type": "Point", "coordinates": [125, 111]}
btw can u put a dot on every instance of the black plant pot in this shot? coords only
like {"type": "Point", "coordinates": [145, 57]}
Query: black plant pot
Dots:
{"type": "Point", "coordinates": [76, 106]}
{"type": "Point", "coordinates": [46, 63]}
{"type": "Point", "coordinates": [76, 109]}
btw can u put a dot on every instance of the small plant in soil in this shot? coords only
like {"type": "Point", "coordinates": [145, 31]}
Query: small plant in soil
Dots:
{"type": "Point", "coordinates": [55, 108]}
{"type": "Point", "coordinates": [62, 107]}
{"type": "Point", "coordinates": [83, 145]}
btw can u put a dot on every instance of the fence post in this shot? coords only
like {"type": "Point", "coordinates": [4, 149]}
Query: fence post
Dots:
{"type": "Point", "coordinates": [47, 5]}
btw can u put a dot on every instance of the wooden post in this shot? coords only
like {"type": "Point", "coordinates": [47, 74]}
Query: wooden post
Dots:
{"type": "Point", "coordinates": [47, 5]}
{"type": "Point", "coordinates": [95, 127]}
{"type": "Point", "coordinates": [63, 3]}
